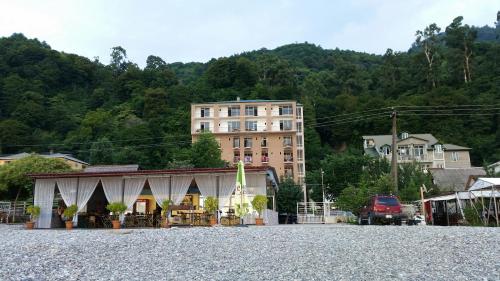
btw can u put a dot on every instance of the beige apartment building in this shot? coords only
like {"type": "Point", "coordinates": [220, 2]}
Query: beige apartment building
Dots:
{"type": "Point", "coordinates": [259, 132]}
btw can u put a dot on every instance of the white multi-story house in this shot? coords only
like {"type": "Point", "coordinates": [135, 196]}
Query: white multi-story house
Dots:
{"type": "Point", "coordinates": [422, 148]}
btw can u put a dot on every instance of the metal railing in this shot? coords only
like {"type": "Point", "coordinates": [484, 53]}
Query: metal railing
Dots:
{"type": "Point", "coordinates": [12, 211]}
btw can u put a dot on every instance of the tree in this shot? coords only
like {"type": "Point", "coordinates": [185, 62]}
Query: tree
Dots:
{"type": "Point", "coordinates": [14, 182]}
{"type": "Point", "coordinates": [206, 153]}
{"type": "Point", "coordinates": [287, 197]}
{"type": "Point", "coordinates": [118, 60]}
{"type": "Point", "coordinates": [461, 38]}
{"type": "Point", "coordinates": [101, 152]}
{"type": "Point", "coordinates": [428, 40]}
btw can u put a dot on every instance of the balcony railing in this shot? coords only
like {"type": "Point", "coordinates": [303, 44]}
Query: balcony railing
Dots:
{"type": "Point", "coordinates": [248, 159]}
{"type": "Point", "coordinates": [288, 159]}
{"type": "Point", "coordinates": [236, 159]}
{"type": "Point", "coordinates": [422, 157]}
{"type": "Point", "coordinates": [264, 159]}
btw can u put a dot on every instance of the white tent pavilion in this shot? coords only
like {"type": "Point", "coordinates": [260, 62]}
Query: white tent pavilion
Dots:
{"type": "Point", "coordinates": [491, 185]}
{"type": "Point", "coordinates": [125, 186]}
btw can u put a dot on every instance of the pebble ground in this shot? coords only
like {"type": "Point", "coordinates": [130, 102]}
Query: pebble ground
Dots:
{"type": "Point", "coordinates": [288, 252]}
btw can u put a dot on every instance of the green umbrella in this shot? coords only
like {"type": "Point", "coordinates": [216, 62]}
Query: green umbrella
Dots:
{"type": "Point", "coordinates": [240, 186]}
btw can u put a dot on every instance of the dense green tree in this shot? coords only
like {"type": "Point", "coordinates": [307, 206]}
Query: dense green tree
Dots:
{"type": "Point", "coordinates": [14, 179]}
{"type": "Point", "coordinates": [206, 153]}
{"type": "Point", "coordinates": [287, 197]}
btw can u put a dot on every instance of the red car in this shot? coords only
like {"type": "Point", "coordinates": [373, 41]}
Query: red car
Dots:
{"type": "Point", "coordinates": [383, 209]}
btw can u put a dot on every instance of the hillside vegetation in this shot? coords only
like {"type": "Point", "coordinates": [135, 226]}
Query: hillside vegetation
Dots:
{"type": "Point", "coordinates": [120, 113]}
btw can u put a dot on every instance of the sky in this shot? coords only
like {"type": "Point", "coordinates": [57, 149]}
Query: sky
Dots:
{"type": "Point", "coordinates": [189, 30]}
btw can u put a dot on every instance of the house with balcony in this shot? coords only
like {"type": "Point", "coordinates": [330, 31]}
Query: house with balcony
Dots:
{"type": "Point", "coordinates": [258, 132]}
{"type": "Point", "coordinates": [422, 148]}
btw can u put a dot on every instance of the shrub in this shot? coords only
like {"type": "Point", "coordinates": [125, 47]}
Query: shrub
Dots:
{"type": "Point", "coordinates": [472, 215]}
{"type": "Point", "coordinates": [70, 212]}
{"type": "Point", "coordinates": [211, 204]}
{"type": "Point", "coordinates": [34, 211]}
{"type": "Point", "coordinates": [165, 205]}
{"type": "Point", "coordinates": [259, 203]}
{"type": "Point", "coordinates": [117, 208]}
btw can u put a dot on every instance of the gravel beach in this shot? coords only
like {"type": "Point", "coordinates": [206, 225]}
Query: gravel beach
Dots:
{"type": "Point", "coordinates": [289, 252]}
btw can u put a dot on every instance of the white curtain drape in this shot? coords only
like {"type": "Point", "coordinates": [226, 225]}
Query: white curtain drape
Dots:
{"type": "Point", "coordinates": [180, 186]}
{"type": "Point", "coordinates": [86, 188]}
{"type": "Point", "coordinates": [160, 187]}
{"type": "Point", "coordinates": [256, 184]}
{"type": "Point", "coordinates": [133, 188]}
{"type": "Point", "coordinates": [68, 189]}
{"type": "Point", "coordinates": [227, 184]}
{"type": "Point", "coordinates": [112, 189]}
{"type": "Point", "coordinates": [44, 198]}
{"type": "Point", "coordinates": [207, 184]}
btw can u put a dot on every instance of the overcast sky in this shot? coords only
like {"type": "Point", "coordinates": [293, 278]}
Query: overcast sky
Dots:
{"type": "Point", "coordinates": [187, 31]}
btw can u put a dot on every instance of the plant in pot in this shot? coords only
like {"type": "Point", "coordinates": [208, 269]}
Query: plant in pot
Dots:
{"type": "Point", "coordinates": [117, 209]}
{"type": "Point", "coordinates": [34, 212]}
{"type": "Point", "coordinates": [165, 205]}
{"type": "Point", "coordinates": [211, 206]}
{"type": "Point", "coordinates": [69, 213]}
{"type": "Point", "coordinates": [259, 203]}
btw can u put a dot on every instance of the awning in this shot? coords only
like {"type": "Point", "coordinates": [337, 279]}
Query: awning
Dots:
{"type": "Point", "coordinates": [465, 195]}
{"type": "Point", "coordinates": [484, 183]}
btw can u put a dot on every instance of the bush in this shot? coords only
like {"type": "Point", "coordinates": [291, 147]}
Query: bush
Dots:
{"type": "Point", "coordinates": [117, 208]}
{"type": "Point", "coordinates": [165, 205]}
{"type": "Point", "coordinates": [259, 203]}
{"type": "Point", "coordinates": [472, 215]}
{"type": "Point", "coordinates": [34, 211]}
{"type": "Point", "coordinates": [211, 204]}
{"type": "Point", "coordinates": [70, 212]}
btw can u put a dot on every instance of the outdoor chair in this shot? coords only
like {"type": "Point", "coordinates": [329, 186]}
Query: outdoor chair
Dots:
{"type": "Point", "coordinates": [106, 222]}
{"type": "Point", "coordinates": [129, 221]}
{"type": "Point", "coordinates": [91, 222]}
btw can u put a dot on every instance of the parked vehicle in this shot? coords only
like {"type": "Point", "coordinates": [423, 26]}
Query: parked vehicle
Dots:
{"type": "Point", "coordinates": [381, 209]}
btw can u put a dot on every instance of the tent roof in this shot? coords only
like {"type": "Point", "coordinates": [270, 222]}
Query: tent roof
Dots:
{"type": "Point", "coordinates": [465, 195]}
{"type": "Point", "coordinates": [483, 183]}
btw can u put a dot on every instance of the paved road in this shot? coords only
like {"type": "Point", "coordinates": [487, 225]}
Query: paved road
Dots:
{"type": "Point", "coordinates": [310, 252]}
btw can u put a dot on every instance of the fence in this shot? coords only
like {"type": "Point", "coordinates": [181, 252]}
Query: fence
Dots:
{"type": "Point", "coordinates": [11, 212]}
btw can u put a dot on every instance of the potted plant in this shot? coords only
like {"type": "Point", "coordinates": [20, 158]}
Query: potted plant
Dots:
{"type": "Point", "coordinates": [34, 212]}
{"type": "Point", "coordinates": [117, 209]}
{"type": "Point", "coordinates": [211, 205]}
{"type": "Point", "coordinates": [165, 205]}
{"type": "Point", "coordinates": [69, 213]}
{"type": "Point", "coordinates": [259, 203]}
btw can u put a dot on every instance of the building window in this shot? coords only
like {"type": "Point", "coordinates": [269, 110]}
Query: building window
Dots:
{"type": "Point", "coordinates": [233, 111]}
{"type": "Point", "coordinates": [454, 156]}
{"type": "Point", "coordinates": [299, 141]}
{"type": "Point", "coordinates": [205, 112]}
{"type": "Point", "coordinates": [288, 172]}
{"type": "Point", "coordinates": [236, 142]}
{"type": "Point", "coordinates": [438, 148]}
{"type": "Point", "coordinates": [285, 125]}
{"type": "Point", "coordinates": [204, 126]}
{"type": "Point", "coordinates": [265, 157]}
{"type": "Point", "coordinates": [418, 151]}
{"type": "Point", "coordinates": [300, 155]}
{"type": "Point", "coordinates": [386, 150]}
{"type": "Point", "coordinates": [288, 157]}
{"type": "Point", "coordinates": [404, 135]}
{"type": "Point", "coordinates": [251, 125]}
{"type": "Point", "coordinates": [403, 152]}
{"type": "Point", "coordinates": [263, 142]}
{"type": "Point", "coordinates": [300, 168]}
{"type": "Point", "coordinates": [248, 157]}
{"type": "Point", "coordinates": [247, 142]}
{"type": "Point", "coordinates": [287, 141]}
{"type": "Point", "coordinates": [236, 157]}
{"type": "Point", "coordinates": [299, 127]}
{"type": "Point", "coordinates": [286, 110]}
{"type": "Point", "coordinates": [299, 112]}
{"type": "Point", "coordinates": [251, 111]}
{"type": "Point", "coordinates": [233, 126]}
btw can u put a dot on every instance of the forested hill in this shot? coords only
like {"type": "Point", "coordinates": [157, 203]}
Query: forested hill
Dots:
{"type": "Point", "coordinates": [119, 113]}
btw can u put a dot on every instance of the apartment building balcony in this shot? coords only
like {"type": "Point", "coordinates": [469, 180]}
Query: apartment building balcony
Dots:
{"type": "Point", "coordinates": [288, 159]}
{"type": "Point", "coordinates": [248, 160]}
{"type": "Point", "coordinates": [236, 159]}
{"type": "Point", "coordinates": [264, 159]}
{"type": "Point", "coordinates": [411, 158]}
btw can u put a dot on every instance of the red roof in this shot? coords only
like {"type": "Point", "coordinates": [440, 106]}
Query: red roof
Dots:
{"type": "Point", "coordinates": [147, 172]}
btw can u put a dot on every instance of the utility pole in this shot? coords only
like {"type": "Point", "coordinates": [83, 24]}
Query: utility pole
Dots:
{"type": "Point", "coordinates": [323, 191]}
{"type": "Point", "coordinates": [394, 160]}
